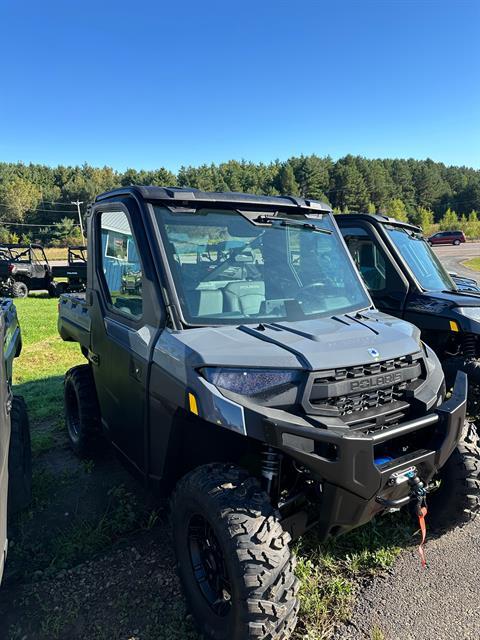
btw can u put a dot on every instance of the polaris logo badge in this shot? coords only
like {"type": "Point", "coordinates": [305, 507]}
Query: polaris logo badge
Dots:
{"type": "Point", "coordinates": [374, 353]}
{"type": "Point", "coordinates": [376, 381]}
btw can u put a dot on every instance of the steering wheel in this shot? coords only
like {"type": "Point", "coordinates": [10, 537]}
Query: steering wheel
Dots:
{"type": "Point", "coordinates": [308, 297]}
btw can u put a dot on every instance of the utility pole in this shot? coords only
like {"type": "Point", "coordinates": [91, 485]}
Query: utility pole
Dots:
{"type": "Point", "coordinates": [78, 203]}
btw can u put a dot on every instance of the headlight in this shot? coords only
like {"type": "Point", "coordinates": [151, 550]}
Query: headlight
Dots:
{"type": "Point", "coordinates": [252, 382]}
{"type": "Point", "coordinates": [470, 312]}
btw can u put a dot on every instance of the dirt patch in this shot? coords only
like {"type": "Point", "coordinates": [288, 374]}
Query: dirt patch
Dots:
{"type": "Point", "coordinates": [130, 593]}
{"type": "Point", "coordinates": [91, 557]}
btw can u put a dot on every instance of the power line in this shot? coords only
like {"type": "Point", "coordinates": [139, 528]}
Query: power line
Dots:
{"type": "Point", "coordinates": [25, 224]}
{"type": "Point", "coordinates": [6, 206]}
{"type": "Point", "coordinates": [65, 204]}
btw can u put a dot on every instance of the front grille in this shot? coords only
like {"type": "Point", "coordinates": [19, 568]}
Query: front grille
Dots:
{"type": "Point", "coordinates": [375, 393]}
{"type": "Point", "coordinates": [369, 400]}
{"type": "Point", "coordinates": [362, 370]}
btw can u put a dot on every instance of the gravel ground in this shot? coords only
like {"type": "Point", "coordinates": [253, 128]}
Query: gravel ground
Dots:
{"type": "Point", "coordinates": [130, 593]}
{"type": "Point", "coordinates": [438, 603]}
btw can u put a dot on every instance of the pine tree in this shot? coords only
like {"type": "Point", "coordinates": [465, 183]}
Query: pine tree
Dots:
{"type": "Point", "coordinates": [430, 185]}
{"type": "Point", "coordinates": [312, 176]}
{"type": "Point", "coordinates": [287, 185]}
{"type": "Point", "coordinates": [348, 191]}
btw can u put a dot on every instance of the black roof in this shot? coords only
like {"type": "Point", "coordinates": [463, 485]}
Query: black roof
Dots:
{"type": "Point", "coordinates": [186, 194]}
{"type": "Point", "coordinates": [19, 245]}
{"type": "Point", "coordinates": [379, 219]}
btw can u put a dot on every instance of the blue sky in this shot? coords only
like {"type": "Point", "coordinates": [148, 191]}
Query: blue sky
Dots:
{"type": "Point", "coordinates": [156, 83]}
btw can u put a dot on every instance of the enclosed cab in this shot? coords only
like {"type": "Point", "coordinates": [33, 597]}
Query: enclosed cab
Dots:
{"type": "Point", "coordinates": [235, 359]}
{"type": "Point", "coordinates": [406, 279]}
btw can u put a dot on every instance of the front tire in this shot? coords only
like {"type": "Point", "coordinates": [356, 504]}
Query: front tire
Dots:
{"type": "Point", "coordinates": [456, 242]}
{"type": "Point", "coordinates": [19, 290]}
{"type": "Point", "coordinates": [82, 413]}
{"type": "Point", "coordinates": [233, 557]}
{"type": "Point", "coordinates": [19, 458]}
{"type": "Point", "coordinates": [457, 501]}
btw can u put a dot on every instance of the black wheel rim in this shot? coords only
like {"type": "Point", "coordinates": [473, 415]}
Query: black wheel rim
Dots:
{"type": "Point", "coordinates": [208, 566]}
{"type": "Point", "coordinates": [73, 414]}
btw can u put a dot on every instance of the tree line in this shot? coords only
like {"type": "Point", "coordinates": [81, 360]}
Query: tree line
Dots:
{"type": "Point", "coordinates": [425, 192]}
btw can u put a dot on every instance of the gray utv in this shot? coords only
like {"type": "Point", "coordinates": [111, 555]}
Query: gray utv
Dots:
{"type": "Point", "coordinates": [236, 361]}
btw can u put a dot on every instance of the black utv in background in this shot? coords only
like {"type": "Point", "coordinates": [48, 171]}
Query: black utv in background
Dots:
{"type": "Point", "coordinates": [236, 361]}
{"type": "Point", "coordinates": [73, 275]}
{"type": "Point", "coordinates": [406, 279]}
{"type": "Point", "coordinates": [15, 454]}
{"type": "Point", "coordinates": [23, 268]}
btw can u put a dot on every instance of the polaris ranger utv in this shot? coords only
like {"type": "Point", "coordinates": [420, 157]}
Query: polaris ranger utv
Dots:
{"type": "Point", "coordinates": [406, 279]}
{"type": "Point", "coordinates": [24, 268]}
{"type": "Point", "coordinates": [73, 274]}
{"type": "Point", "coordinates": [260, 386]}
{"type": "Point", "coordinates": [15, 453]}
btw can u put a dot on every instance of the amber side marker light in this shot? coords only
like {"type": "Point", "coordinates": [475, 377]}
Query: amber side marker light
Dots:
{"type": "Point", "coordinates": [192, 403]}
{"type": "Point", "coordinates": [454, 326]}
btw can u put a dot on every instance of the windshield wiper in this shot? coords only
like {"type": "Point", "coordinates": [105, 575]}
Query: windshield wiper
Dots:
{"type": "Point", "coordinates": [286, 222]}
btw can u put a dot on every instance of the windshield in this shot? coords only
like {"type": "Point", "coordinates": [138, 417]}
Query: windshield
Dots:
{"type": "Point", "coordinates": [424, 264]}
{"type": "Point", "coordinates": [228, 270]}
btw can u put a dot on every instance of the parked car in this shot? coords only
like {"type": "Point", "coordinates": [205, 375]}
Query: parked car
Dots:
{"type": "Point", "coordinates": [266, 394]}
{"type": "Point", "coordinates": [447, 237]}
{"type": "Point", "coordinates": [15, 453]}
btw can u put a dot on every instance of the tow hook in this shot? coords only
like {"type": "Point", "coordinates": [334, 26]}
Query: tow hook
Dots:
{"type": "Point", "coordinates": [419, 493]}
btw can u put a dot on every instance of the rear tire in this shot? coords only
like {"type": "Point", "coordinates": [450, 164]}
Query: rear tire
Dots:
{"type": "Point", "coordinates": [456, 242]}
{"type": "Point", "coordinates": [19, 290]}
{"type": "Point", "coordinates": [457, 501]}
{"type": "Point", "coordinates": [56, 289]}
{"type": "Point", "coordinates": [19, 458]}
{"type": "Point", "coordinates": [233, 557]}
{"type": "Point", "coordinates": [82, 413]}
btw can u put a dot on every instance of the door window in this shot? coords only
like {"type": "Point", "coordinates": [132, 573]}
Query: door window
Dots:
{"type": "Point", "coordinates": [375, 266]}
{"type": "Point", "coordinates": [368, 257]}
{"type": "Point", "coordinates": [121, 265]}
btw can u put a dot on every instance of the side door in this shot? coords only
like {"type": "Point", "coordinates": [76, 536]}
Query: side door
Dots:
{"type": "Point", "coordinates": [385, 281]}
{"type": "Point", "coordinates": [124, 325]}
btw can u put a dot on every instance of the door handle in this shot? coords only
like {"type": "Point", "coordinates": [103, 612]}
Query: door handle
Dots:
{"type": "Point", "coordinates": [136, 369]}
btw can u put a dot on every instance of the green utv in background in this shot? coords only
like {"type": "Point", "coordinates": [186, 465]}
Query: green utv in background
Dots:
{"type": "Point", "coordinates": [15, 453]}
{"type": "Point", "coordinates": [235, 361]}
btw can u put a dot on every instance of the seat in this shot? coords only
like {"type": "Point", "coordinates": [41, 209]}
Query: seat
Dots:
{"type": "Point", "coordinates": [205, 302]}
{"type": "Point", "coordinates": [370, 273]}
{"type": "Point", "coordinates": [245, 296]}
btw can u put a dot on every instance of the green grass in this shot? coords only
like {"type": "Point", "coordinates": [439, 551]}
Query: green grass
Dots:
{"type": "Point", "coordinates": [330, 572]}
{"type": "Point", "coordinates": [38, 372]}
{"type": "Point", "coordinates": [474, 264]}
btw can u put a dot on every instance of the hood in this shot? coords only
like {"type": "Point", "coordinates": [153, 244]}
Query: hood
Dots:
{"type": "Point", "coordinates": [318, 344]}
{"type": "Point", "coordinates": [438, 301]}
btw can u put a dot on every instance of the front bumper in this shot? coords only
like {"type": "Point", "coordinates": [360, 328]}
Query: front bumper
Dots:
{"type": "Point", "coordinates": [355, 482]}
